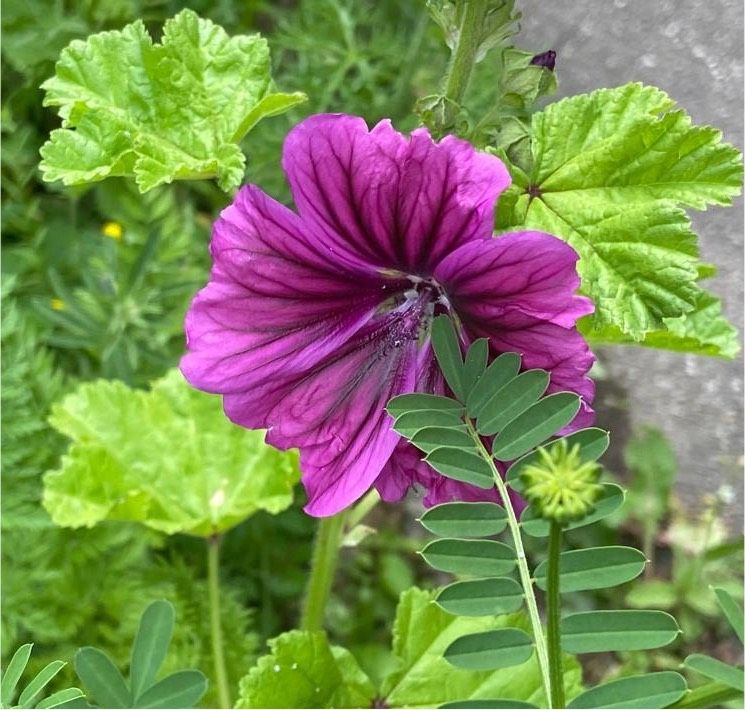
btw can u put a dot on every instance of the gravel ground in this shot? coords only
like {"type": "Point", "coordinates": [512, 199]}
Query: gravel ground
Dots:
{"type": "Point", "coordinates": [694, 51]}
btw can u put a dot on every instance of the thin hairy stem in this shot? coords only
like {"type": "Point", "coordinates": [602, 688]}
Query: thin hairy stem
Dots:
{"type": "Point", "coordinates": [323, 566]}
{"type": "Point", "coordinates": [218, 652]}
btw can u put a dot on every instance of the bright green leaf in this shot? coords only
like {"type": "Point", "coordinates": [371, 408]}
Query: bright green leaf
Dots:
{"type": "Point", "coordinates": [447, 350]}
{"type": "Point", "coordinates": [488, 650]}
{"type": "Point", "coordinates": [626, 630]}
{"type": "Point", "coordinates": [610, 499]}
{"type": "Point", "coordinates": [31, 692]}
{"type": "Point", "coordinates": [653, 690]}
{"type": "Point", "coordinates": [102, 678]}
{"type": "Point", "coordinates": [592, 444]}
{"type": "Point", "coordinates": [465, 519]}
{"type": "Point", "coordinates": [609, 171]}
{"type": "Point", "coordinates": [472, 557]}
{"type": "Point", "coordinates": [461, 466]}
{"type": "Point", "coordinates": [481, 597]}
{"type": "Point", "coordinates": [503, 369]}
{"type": "Point", "coordinates": [424, 679]}
{"type": "Point", "coordinates": [702, 331]}
{"type": "Point", "coordinates": [182, 689]}
{"type": "Point", "coordinates": [158, 112]}
{"type": "Point", "coordinates": [12, 674]}
{"type": "Point", "coordinates": [194, 471]}
{"type": "Point", "coordinates": [303, 671]}
{"type": "Point", "coordinates": [536, 424]}
{"type": "Point", "coordinates": [732, 610]}
{"type": "Point", "coordinates": [61, 697]}
{"type": "Point", "coordinates": [150, 646]}
{"type": "Point", "coordinates": [594, 568]}
{"type": "Point", "coordinates": [511, 400]}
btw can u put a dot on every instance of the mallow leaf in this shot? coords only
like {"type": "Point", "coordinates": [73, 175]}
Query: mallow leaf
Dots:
{"type": "Point", "coordinates": [610, 173]}
{"type": "Point", "coordinates": [303, 670]}
{"type": "Point", "coordinates": [167, 458]}
{"type": "Point", "coordinates": [158, 112]}
{"type": "Point", "coordinates": [423, 678]}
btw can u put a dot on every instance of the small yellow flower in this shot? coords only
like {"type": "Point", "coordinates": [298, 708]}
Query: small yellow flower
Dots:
{"type": "Point", "coordinates": [57, 304]}
{"type": "Point", "coordinates": [113, 230]}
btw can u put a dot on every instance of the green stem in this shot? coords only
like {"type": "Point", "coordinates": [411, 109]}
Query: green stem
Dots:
{"type": "Point", "coordinates": [464, 56]}
{"type": "Point", "coordinates": [218, 653]}
{"type": "Point", "coordinates": [708, 696]}
{"type": "Point", "coordinates": [553, 608]}
{"type": "Point", "coordinates": [522, 566]}
{"type": "Point", "coordinates": [323, 566]}
{"type": "Point", "coordinates": [358, 513]}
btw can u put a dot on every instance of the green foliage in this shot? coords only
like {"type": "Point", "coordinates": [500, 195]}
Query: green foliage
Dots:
{"type": "Point", "coordinates": [195, 472]}
{"type": "Point", "coordinates": [304, 670]}
{"type": "Point", "coordinates": [423, 678]}
{"type": "Point", "coordinates": [595, 182]}
{"type": "Point", "coordinates": [108, 687]}
{"type": "Point", "coordinates": [31, 695]}
{"type": "Point", "coordinates": [654, 690]}
{"type": "Point", "coordinates": [158, 112]}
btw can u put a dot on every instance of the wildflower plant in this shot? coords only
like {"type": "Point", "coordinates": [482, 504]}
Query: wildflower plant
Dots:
{"type": "Point", "coordinates": [421, 319]}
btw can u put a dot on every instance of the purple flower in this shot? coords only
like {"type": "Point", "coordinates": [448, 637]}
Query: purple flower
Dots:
{"type": "Point", "coordinates": [312, 321]}
{"type": "Point", "coordinates": [545, 59]}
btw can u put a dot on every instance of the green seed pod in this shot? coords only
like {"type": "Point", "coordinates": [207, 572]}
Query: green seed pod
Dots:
{"type": "Point", "coordinates": [559, 485]}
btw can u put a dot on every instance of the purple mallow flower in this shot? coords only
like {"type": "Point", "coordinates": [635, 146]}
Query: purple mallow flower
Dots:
{"type": "Point", "coordinates": [312, 320]}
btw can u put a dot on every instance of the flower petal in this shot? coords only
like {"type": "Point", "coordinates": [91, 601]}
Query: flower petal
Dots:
{"type": "Point", "coordinates": [519, 292]}
{"type": "Point", "coordinates": [336, 414]}
{"type": "Point", "coordinates": [275, 303]}
{"type": "Point", "coordinates": [392, 202]}
{"type": "Point", "coordinates": [532, 272]}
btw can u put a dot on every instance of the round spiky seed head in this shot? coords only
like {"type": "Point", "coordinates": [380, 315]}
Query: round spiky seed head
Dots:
{"type": "Point", "coordinates": [560, 485]}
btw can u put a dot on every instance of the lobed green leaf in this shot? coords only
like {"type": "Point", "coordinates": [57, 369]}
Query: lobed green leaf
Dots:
{"type": "Point", "coordinates": [158, 112]}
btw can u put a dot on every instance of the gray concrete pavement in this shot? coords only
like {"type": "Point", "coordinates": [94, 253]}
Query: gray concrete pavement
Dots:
{"type": "Point", "coordinates": [694, 51]}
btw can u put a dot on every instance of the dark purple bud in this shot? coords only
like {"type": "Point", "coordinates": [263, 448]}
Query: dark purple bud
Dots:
{"type": "Point", "coordinates": [545, 59]}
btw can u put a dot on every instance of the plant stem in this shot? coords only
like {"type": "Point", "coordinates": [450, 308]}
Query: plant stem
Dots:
{"type": "Point", "coordinates": [218, 654]}
{"type": "Point", "coordinates": [553, 608]}
{"type": "Point", "coordinates": [522, 566]}
{"type": "Point", "coordinates": [464, 55]}
{"type": "Point", "coordinates": [360, 511]}
{"type": "Point", "coordinates": [323, 566]}
{"type": "Point", "coordinates": [708, 696]}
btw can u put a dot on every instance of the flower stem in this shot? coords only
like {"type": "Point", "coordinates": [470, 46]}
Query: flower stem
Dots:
{"type": "Point", "coordinates": [218, 654]}
{"type": "Point", "coordinates": [522, 566]}
{"type": "Point", "coordinates": [553, 607]}
{"type": "Point", "coordinates": [464, 54]}
{"type": "Point", "coordinates": [323, 566]}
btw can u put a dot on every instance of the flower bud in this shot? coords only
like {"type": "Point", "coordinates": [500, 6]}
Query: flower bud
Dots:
{"type": "Point", "coordinates": [559, 485]}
